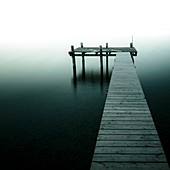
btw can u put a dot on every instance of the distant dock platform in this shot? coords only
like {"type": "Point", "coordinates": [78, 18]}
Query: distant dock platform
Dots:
{"type": "Point", "coordinates": [110, 50]}
{"type": "Point", "coordinates": [127, 137]}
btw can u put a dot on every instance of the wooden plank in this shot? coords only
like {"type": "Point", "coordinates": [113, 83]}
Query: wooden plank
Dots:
{"type": "Point", "coordinates": [126, 104]}
{"type": "Point", "coordinates": [121, 99]}
{"type": "Point", "coordinates": [124, 100]}
{"type": "Point", "coordinates": [112, 105]}
{"type": "Point", "coordinates": [126, 122]}
{"type": "Point", "coordinates": [129, 158]}
{"type": "Point", "coordinates": [130, 150]}
{"type": "Point", "coordinates": [128, 166]}
{"type": "Point", "coordinates": [128, 132]}
{"type": "Point", "coordinates": [127, 108]}
{"type": "Point", "coordinates": [113, 118]}
{"type": "Point", "coordinates": [126, 111]}
{"type": "Point", "coordinates": [120, 93]}
{"type": "Point", "coordinates": [125, 96]}
{"type": "Point", "coordinates": [124, 91]}
{"type": "Point", "coordinates": [128, 137]}
{"type": "Point", "coordinates": [125, 115]}
{"type": "Point", "coordinates": [127, 126]}
{"type": "Point", "coordinates": [129, 143]}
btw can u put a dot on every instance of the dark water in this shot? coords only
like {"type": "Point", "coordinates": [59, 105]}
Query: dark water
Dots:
{"type": "Point", "coordinates": [153, 67]}
{"type": "Point", "coordinates": [48, 121]}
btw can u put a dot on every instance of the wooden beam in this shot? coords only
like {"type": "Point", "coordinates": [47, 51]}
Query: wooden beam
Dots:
{"type": "Point", "coordinates": [88, 55]}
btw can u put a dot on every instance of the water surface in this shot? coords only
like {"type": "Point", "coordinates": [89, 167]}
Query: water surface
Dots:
{"type": "Point", "coordinates": [47, 120]}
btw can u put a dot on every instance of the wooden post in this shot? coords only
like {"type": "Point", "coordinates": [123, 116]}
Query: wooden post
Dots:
{"type": "Point", "coordinates": [83, 63]}
{"type": "Point", "coordinates": [101, 62]}
{"type": "Point", "coordinates": [72, 48]}
{"type": "Point", "coordinates": [101, 56]}
{"type": "Point", "coordinates": [74, 62]}
{"type": "Point", "coordinates": [131, 45]}
{"type": "Point", "coordinates": [107, 61]}
{"type": "Point", "coordinates": [73, 56]}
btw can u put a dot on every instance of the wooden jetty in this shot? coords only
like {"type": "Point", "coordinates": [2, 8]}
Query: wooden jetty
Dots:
{"type": "Point", "coordinates": [127, 137]}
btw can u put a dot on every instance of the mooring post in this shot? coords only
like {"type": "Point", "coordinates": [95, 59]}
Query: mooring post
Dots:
{"type": "Point", "coordinates": [83, 62]}
{"type": "Point", "coordinates": [101, 61]}
{"type": "Point", "coordinates": [73, 56]}
{"type": "Point", "coordinates": [101, 56]}
{"type": "Point", "coordinates": [74, 61]}
{"type": "Point", "coordinates": [107, 61]}
{"type": "Point", "coordinates": [131, 45]}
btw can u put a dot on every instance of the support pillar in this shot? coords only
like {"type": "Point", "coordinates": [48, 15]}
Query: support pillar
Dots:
{"type": "Point", "coordinates": [107, 67]}
{"type": "Point", "coordinates": [83, 62]}
{"type": "Point", "coordinates": [101, 61]}
{"type": "Point", "coordinates": [74, 62]}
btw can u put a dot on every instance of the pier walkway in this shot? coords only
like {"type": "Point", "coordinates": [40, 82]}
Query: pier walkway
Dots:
{"type": "Point", "coordinates": [127, 138]}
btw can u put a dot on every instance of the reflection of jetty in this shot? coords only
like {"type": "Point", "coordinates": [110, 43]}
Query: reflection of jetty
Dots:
{"type": "Point", "coordinates": [127, 137]}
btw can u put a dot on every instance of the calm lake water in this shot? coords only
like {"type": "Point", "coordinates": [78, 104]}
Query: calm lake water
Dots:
{"type": "Point", "coordinates": [47, 120]}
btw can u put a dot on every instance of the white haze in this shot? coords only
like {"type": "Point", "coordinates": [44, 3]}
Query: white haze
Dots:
{"type": "Point", "coordinates": [65, 21]}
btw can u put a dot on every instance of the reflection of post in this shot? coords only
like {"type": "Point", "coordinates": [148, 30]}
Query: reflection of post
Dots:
{"type": "Point", "coordinates": [74, 62]}
{"type": "Point", "coordinates": [107, 61]}
{"type": "Point", "coordinates": [101, 62]}
{"type": "Point", "coordinates": [83, 63]}
{"type": "Point", "coordinates": [101, 57]}
{"type": "Point", "coordinates": [132, 58]}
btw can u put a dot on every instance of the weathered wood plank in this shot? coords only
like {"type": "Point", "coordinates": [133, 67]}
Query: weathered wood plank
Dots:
{"type": "Point", "coordinates": [125, 103]}
{"type": "Point", "coordinates": [127, 132]}
{"type": "Point", "coordinates": [121, 100]}
{"type": "Point", "coordinates": [125, 100]}
{"type": "Point", "coordinates": [126, 96]}
{"type": "Point", "coordinates": [125, 115]}
{"type": "Point", "coordinates": [128, 166]}
{"type": "Point", "coordinates": [127, 126]}
{"type": "Point", "coordinates": [125, 108]}
{"type": "Point", "coordinates": [127, 111]}
{"type": "Point", "coordinates": [113, 118]}
{"type": "Point", "coordinates": [126, 122]}
{"type": "Point", "coordinates": [129, 143]}
{"type": "Point", "coordinates": [130, 150]}
{"type": "Point", "coordinates": [127, 137]}
{"type": "Point", "coordinates": [129, 158]}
